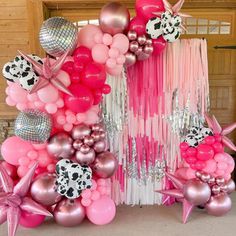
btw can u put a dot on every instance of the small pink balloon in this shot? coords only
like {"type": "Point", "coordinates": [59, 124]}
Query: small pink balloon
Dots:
{"type": "Point", "coordinates": [209, 140]}
{"type": "Point", "coordinates": [17, 93]}
{"type": "Point", "coordinates": [98, 38]}
{"type": "Point", "coordinates": [142, 56]}
{"type": "Point", "coordinates": [130, 59]}
{"type": "Point", "coordinates": [148, 49]}
{"type": "Point", "coordinates": [218, 147]}
{"type": "Point", "coordinates": [191, 151]}
{"type": "Point", "coordinates": [86, 35]}
{"type": "Point", "coordinates": [142, 39]}
{"type": "Point", "coordinates": [48, 94]}
{"type": "Point", "coordinates": [115, 71]}
{"type": "Point", "coordinates": [215, 189]}
{"type": "Point", "coordinates": [158, 45]}
{"type": "Point", "coordinates": [111, 63]}
{"type": "Point", "coordinates": [211, 166]}
{"type": "Point", "coordinates": [120, 60]}
{"type": "Point", "coordinates": [114, 53]}
{"type": "Point", "coordinates": [133, 46]}
{"type": "Point", "coordinates": [99, 146]}
{"type": "Point", "coordinates": [107, 39]}
{"type": "Point", "coordinates": [220, 157]}
{"type": "Point", "coordinates": [29, 220]}
{"type": "Point", "coordinates": [132, 35]}
{"type": "Point", "coordinates": [88, 140]}
{"type": "Point", "coordinates": [85, 158]}
{"type": "Point", "coordinates": [222, 166]}
{"type": "Point", "coordinates": [121, 42]}
{"type": "Point", "coordinates": [230, 186]}
{"type": "Point", "coordinates": [100, 53]}
{"type": "Point", "coordinates": [205, 152]}
{"type": "Point", "coordinates": [184, 146]}
{"type": "Point", "coordinates": [14, 148]}
{"type": "Point", "coordinates": [81, 131]}
{"type": "Point", "coordinates": [138, 25]}
{"type": "Point", "coordinates": [101, 211]}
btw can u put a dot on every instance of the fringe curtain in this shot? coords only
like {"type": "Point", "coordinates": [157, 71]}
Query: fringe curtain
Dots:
{"type": "Point", "coordinates": [151, 107]}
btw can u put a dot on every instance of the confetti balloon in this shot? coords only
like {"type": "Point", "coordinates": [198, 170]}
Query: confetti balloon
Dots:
{"type": "Point", "coordinates": [57, 35]}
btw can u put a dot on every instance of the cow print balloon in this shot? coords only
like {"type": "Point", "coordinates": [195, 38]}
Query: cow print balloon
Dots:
{"type": "Point", "coordinates": [11, 72]}
{"type": "Point", "coordinates": [153, 28]}
{"type": "Point", "coordinates": [28, 79]}
{"type": "Point", "coordinates": [72, 178]}
{"type": "Point", "coordinates": [206, 132]}
{"type": "Point", "coordinates": [191, 140]}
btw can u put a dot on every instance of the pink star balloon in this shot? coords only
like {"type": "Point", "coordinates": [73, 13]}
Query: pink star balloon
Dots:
{"type": "Point", "coordinates": [217, 129]}
{"type": "Point", "coordinates": [48, 73]}
{"type": "Point", "coordinates": [14, 199]}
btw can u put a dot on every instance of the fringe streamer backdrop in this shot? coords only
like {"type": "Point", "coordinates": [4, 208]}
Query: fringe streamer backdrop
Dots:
{"type": "Point", "coordinates": [149, 110]}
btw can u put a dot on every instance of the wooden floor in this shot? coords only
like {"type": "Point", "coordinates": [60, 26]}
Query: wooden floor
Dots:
{"type": "Point", "coordinates": [148, 221]}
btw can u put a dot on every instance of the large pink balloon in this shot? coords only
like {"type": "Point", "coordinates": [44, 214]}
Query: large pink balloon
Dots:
{"type": "Point", "coordinates": [102, 211]}
{"type": "Point", "coordinates": [29, 220]}
{"type": "Point", "coordinates": [114, 18]}
{"type": "Point", "coordinates": [205, 152]}
{"type": "Point", "coordinates": [87, 34]}
{"type": "Point", "coordinates": [121, 42]}
{"type": "Point", "coordinates": [138, 25]}
{"type": "Point", "coordinates": [14, 148]}
{"type": "Point", "coordinates": [146, 8]}
{"type": "Point", "coordinates": [82, 99]}
{"type": "Point", "coordinates": [158, 45]}
{"type": "Point", "coordinates": [100, 53]}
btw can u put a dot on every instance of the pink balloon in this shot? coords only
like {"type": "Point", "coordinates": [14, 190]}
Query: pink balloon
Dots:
{"type": "Point", "coordinates": [121, 60]}
{"type": "Point", "coordinates": [114, 71]}
{"type": "Point", "coordinates": [100, 53]}
{"type": "Point", "coordinates": [121, 42]}
{"type": "Point", "coordinates": [221, 157]}
{"type": "Point", "coordinates": [82, 55]}
{"type": "Point", "coordinates": [191, 151]}
{"type": "Point", "coordinates": [205, 152]}
{"type": "Point", "coordinates": [17, 93]}
{"type": "Point", "coordinates": [107, 39]}
{"type": "Point", "coordinates": [210, 166]}
{"type": "Point", "coordinates": [11, 170]}
{"type": "Point", "coordinates": [48, 94]}
{"type": "Point", "coordinates": [158, 45]}
{"type": "Point", "coordinates": [184, 146]}
{"type": "Point", "coordinates": [114, 53]}
{"type": "Point", "coordinates": [14, 148]}
{"type": "Point", "coordinates": [82, 99]}
{"type": "Point", "coordinates": [218, 147]}
{"type": "Point", "coordinates": [102, 211]}
{"type": "Point", "coordinates": [111, 63]}
{"type": "Point", "coordinates": [87, 34]}
{"type": "Point", "coordinates": [138, 25]}
{"type": "Point", "coordinates": [146, 8]}
{"type": "Point", "coordinates": [98, 38]}
{"type": "Point", "coordinates": [29, 220]}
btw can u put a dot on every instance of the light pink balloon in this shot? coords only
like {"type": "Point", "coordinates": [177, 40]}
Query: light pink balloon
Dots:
{"type": "Point", "coordinates": [120, 60]}
{"type": "Point", "coordinates": [100, 53]}
{"type": "Point", "coordinates": [17, 93]}
{"type": "Point", "coordinates": [121, 42]}
{"type": "Point", "coordinates": [107, 39]}
{"type": "Point", "coordinates": [114, 71]}
{"type": "Point", "coordinates": [87, 34]}
{"type": "Point", "coordinates": [111, 63]}
{"type": "Point", "coordinates": [102, 211]}
{"type": "Point", "coordinates": [210, 166]}
{"type": "Point", "coordinates": [48, 94]}
{"type": "Point", "coordinates": [98, 38]}
{"type": "Point", "coordinates": [114, 53]}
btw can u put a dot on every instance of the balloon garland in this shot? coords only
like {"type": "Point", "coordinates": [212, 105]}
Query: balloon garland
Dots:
{"type": "Point", "coordinates": [58, 163]}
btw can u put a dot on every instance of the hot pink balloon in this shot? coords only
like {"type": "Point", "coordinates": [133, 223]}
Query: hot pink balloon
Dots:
{"type": "Point", "coordinates": [82, 55]}
{"type": "Point", "coordinates": [158, 45]}
{"type": "Point", "coordinates": [121, 42]}
{"type": "Point", "coordinates": [138, 25]}
{"type": "Point", "coordinates": [100, 53]}
{"type": "Point", "coordinates": [14, 148]}
{"type": "Point", "coordinates": [101, 211]}
{"type": "Point", "coordinates": [87, 34]}
{"type": "Point", "coordinates": [205, 152]}
{"type": "Point", "coordinates": [146, 8]}
{"type": "Point", "coordinates": [82, 99]}
{"type": "Point", "coordinates": [29, 220]}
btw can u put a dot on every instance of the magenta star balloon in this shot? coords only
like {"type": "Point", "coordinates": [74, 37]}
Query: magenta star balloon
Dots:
{"type": "Point", "coordinates": [48, 73]}
{"type": "Point", "coordinates": [14, 199]}
{"type": "Point", "coordinates": [217, 129]}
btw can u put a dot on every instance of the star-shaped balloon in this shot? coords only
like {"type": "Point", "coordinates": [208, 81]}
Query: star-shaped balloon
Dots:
{"type": "Point", "coordinates": [14, 199]}
{"type": "Point", "coordinates": [48, 73]}
{"type": "Point", "coordinates": [191, 193]}
{"type": "Point", "coordinates": [217, 129]}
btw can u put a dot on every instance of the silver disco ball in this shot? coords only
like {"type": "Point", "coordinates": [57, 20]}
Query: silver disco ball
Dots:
{"type": "Point", "coordinates": [33, 125]}
{"type": "Point", "coordinates": [57, 35]}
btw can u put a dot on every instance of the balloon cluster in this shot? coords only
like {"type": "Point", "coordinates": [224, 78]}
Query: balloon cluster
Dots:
{"type": "Point", "coordinates": [205, 191]}
{"type": "Point", "coordinates": [140, 48]}
{"type": "Point", "coordinates": [203, 149]}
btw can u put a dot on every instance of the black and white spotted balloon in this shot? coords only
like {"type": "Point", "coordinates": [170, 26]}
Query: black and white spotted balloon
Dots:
{"type": "Point", "coordinates": [11, 72]}
{"type": "Point", "coordinates": [72, 178]}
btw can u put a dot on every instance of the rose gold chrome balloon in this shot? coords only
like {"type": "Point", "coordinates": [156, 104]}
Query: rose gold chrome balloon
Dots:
{"type": "Point", "coordinates": [130, 59]}
{"type": "Point", "coordinates": [43, 190]}
{"type": "Point", "coordinates": [132, 35]}
{"type": "Point", "coordinates": [133, 46]}
{"type": "Point", "coordinates": [197, 192]}
{"type": "Point", "coordinates": [148, 49]}
{"type": "Point", "coordinates": [80, 131]}
{"type": "Point", "coordinates": [142, 39]}
{"type": "Point", "coordinates": [85, 158]}
{"type": "Point", "coordinates": [219, 205]}
{"type": "Point", "coordinates": [69, 213]}
{"type": "Point", "coordinates": [105, 165]}
{"type": "Point", "coordinates": [88, 140]}
{"type": "Point", "coordinates": [215, 189]}
{"type": "Point", "coordinates": [99, 146]}
{"type": "Point", "coordinates": [97, 127]}
{"type": "Point", "coordinates": [230, 186]}
{"type": "Point", "coordinates": [220, 181]}
{"type": "Point", "coordinates": [60, 146]}
{"type": "Point", "coordinates": [77, 144]}
{"type": "Point", "coordinates": [85, 148]}
{"type": "Point", "coordinates": [114, 18]}
{"type": "Point", "coordinates": [149, 42]}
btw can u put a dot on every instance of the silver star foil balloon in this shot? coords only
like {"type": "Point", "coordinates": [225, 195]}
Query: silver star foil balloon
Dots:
{"type": "Point", "coordinates": [33, 125]}
{"type": "Point", "coordinates": [57, 35]}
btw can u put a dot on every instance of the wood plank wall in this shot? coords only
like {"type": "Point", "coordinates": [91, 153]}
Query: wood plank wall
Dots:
{"type": "Point", "coordinates": [14, 35]}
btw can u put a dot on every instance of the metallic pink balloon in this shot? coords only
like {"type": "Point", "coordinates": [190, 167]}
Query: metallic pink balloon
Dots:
{"type": "Point", "coordinates": [77, 144]}
{"type": "Point", "coordinates": [85, 158]}
{"type": "Point", "coordinates": [114, 18]}
{"type": "Point", "coordinates": [143, 56]}
{"type": "Point", "coordinates": [132, 35]}
{"type": "Point", "coordinates": [98, 135]}
{"type": "Point", "coordinates": [43, 190]}
{"type": "Point", "coordinates": [105, 165]}
{"type": "Point", "coordinates": [60, 146]}
{"type": "Point", "coordinates": [80, 131]}
{"type": "Point", "coordinates": [69, 213]}
{"type": "Point", "coordinates": [99, 146]}
{"type": "Point", "coordinates": [133, 46]}
{"type": "Point", "coordinates": [219, 205]}
{"type": "Point", "coordinates": [230, 186]}
{"type": "Point", "coordinates": [215, 189]}
{"type": "Point", "coordinates": [85, 149]}
{"type": "Point", "coordinates": [220, 181]}
{"type": "Point", "coordinates": [205, 177]}
{"type": "Point", "coordinates": [198, 174]}
{"type": "Point", "coordinates": [142, 39]}
{"type": "Point", "coordinates": [130, 59]}
{"type": "Point", "coordinates": [139, 51]}
{"type": "Point", "coordinates": [149, 42]}
{"type": "Point", "coordinates": [97, 127]}
{"type": "Point", "coordinates": [197, 192]}
{"type": "Point", "coordinates": [148, 49]}
{"type": "Point", "coordinates": [88, 140]}
{"type": "Point", "coordinates": [212, 180]}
